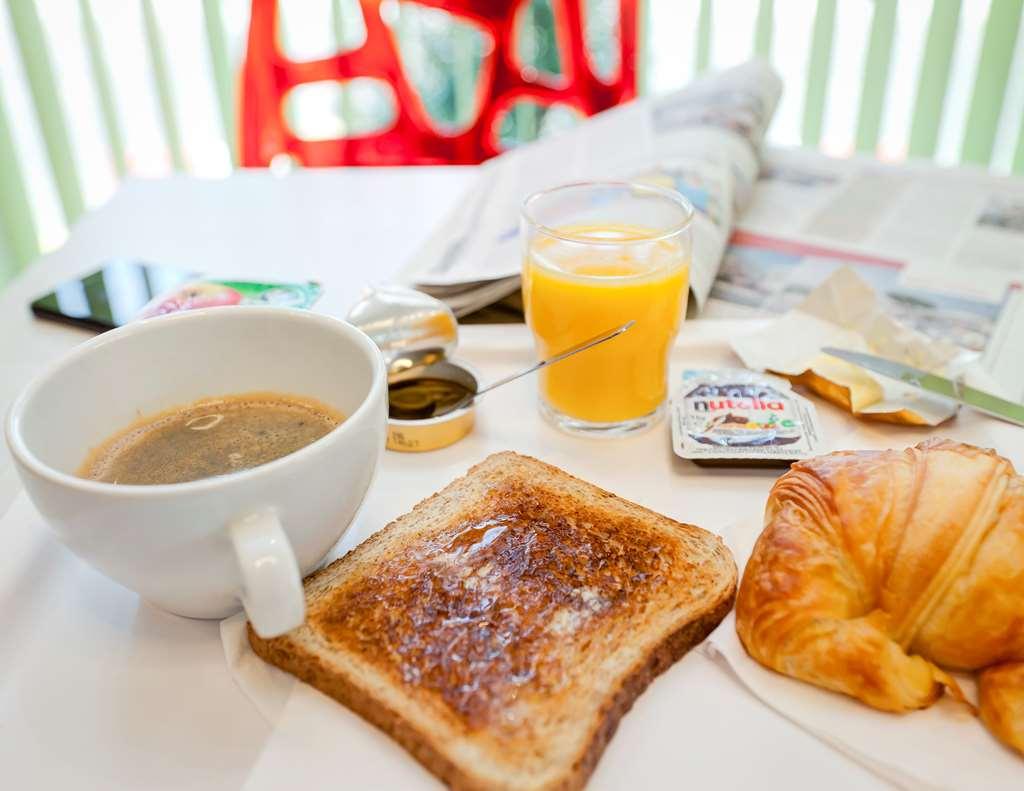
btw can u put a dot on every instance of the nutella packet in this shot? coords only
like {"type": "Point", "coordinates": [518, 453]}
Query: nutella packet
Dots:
{"type": "Point", "coordinates": [736, 417]}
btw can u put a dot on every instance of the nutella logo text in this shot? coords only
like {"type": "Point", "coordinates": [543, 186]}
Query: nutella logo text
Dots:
{"type": "Point", "coordinates": [711, 405]}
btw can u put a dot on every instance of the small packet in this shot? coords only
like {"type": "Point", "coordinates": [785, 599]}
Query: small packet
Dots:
{"type": "Point", "coordinates": [735, 417]}
{"type": "Point", "coordinates": [206, 293]}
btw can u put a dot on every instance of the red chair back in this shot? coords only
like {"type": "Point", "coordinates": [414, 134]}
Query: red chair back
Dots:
{"type": "Point", "coordinates": [413, 139]}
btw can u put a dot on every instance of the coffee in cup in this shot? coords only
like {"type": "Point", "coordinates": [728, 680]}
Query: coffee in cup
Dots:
{"type": "Point", "coordinates": [210, 437]}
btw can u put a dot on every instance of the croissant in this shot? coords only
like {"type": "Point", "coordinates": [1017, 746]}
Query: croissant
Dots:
{"type": "Point", "coordinates": [877, 571]}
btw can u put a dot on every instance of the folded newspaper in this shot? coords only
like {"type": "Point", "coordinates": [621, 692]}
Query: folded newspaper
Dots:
{"type": "Point", "coordinates": [703, 141]}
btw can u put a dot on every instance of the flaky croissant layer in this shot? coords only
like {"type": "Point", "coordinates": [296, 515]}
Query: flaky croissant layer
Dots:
{"type": "Point", "coordinates": [876, 569]}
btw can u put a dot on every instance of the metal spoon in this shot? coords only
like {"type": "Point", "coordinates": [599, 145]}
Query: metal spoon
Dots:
{"type": "Point", "coordinates": [436, 371]}
{"type": "Point", "coordinates": [607, 335]}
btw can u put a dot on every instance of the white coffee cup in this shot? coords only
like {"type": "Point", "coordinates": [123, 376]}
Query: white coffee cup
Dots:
{"type": "Point", "coordinates": [201, 548]}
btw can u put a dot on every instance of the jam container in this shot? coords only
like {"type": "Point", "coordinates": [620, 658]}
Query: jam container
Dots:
{"type": "Point", "coordinates": [430, 395]}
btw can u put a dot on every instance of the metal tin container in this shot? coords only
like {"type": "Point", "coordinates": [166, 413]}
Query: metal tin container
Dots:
{"type": "Point", "coordinates": [417, 334]}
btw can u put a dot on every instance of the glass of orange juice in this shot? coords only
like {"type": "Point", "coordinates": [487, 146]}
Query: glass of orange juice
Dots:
{"type": "Point", "coordinates": [596, 255]}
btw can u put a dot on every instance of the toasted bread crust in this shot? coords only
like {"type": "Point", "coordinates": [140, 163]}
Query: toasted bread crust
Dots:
{"type": "Point", "coordinates": [308, 668]}
{"type": "Point", "coordinates": [290, 654]}
{"type": "Point", "coordinates": [668, 652]}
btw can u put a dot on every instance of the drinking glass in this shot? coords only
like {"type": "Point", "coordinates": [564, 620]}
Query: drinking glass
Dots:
{"type": "Point", "coordinates": [596, 255]}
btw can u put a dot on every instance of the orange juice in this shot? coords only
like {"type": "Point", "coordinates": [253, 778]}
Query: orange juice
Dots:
{"type": "Point", "coordinates": [585, 279]}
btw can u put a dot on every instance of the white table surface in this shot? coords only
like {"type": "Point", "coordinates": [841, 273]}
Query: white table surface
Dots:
{"type": "Point", "coordinates": [101, 690]}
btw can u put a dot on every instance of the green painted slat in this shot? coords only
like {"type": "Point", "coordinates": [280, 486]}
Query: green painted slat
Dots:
{"type": "Point", "coordinates": [644, 59]}
{"type": "Point", "coordinates": [337, 24]}
{"type": "Point", "coordinates": [934, 79]}
{"type": "Point", "coordinates": [704, 36]}
{"type": "Point", "coordinates": [220, 64]}
{"type": "Point", "coordinates": [1018, 156]}
{"type": "Point", "coordinates": [818, 71]}
{"type": "Point", "coordinates": [8, 263]}
{"type": "Point", "coordinates": [876, 74]}
{"type": "Point", "coordinates": [763, 27]}
{"type": "Point", "coordinates": [990, 85]}
{"type": "Point", "coordinates": [346, 107]}
{"type": "Point", "coordinates": [162, 81]}
{"type": "Point", "coordinates": [19, 243]}
{"type": "Point", "coordinates": [36, 59]}
{"type": "Point", "coordinates": [464, 75]}
{"type": "Point", "coordinates": [527, 114]}
{"type": "Point", "coordinates": [101, 81]}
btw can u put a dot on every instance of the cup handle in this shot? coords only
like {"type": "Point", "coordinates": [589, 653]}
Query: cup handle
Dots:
{"type": "Point", "coordinates": [272, 591]}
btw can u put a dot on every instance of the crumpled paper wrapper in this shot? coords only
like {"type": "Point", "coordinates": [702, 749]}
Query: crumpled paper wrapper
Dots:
{"type": "Point", "coordinates": [846, 312]}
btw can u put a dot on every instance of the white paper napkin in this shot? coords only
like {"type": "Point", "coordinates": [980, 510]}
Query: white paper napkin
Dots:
{"type": "Point", "coordinates": [266, 686]}
{"type": "Point", "coordinates": [942, 747]}
{"type": "Point", "coordinates": [311, 730]}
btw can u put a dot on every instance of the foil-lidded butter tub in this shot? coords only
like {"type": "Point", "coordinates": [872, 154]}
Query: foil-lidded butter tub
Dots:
{"type": "Point", "coordinates": [740, 418]}
{"type": "Point", "coordinates": [430, 395]}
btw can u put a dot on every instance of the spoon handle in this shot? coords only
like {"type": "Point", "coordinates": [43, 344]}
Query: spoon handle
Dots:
{"type": "Point", "coordinates": [607, 335]}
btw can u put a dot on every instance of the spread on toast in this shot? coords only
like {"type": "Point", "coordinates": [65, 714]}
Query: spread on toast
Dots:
{"type": "Point", "coordinates": [501, 629]}
{"type": "Point", "coordinates": [479, 612]}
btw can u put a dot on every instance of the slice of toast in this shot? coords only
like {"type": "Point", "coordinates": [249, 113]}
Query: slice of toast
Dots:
{"type": "Point", "coordinates": [501, 629]}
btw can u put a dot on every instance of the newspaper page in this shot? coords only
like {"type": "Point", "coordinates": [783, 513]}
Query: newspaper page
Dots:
{"type": "Point", "coordinates": [959, 229]}
{"type": "Point", "coordinates": [703, 141]}
{"type": "Point", "coordinates": [766, 275]}
{"type": "Point", "coordinates": [943, 246]}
